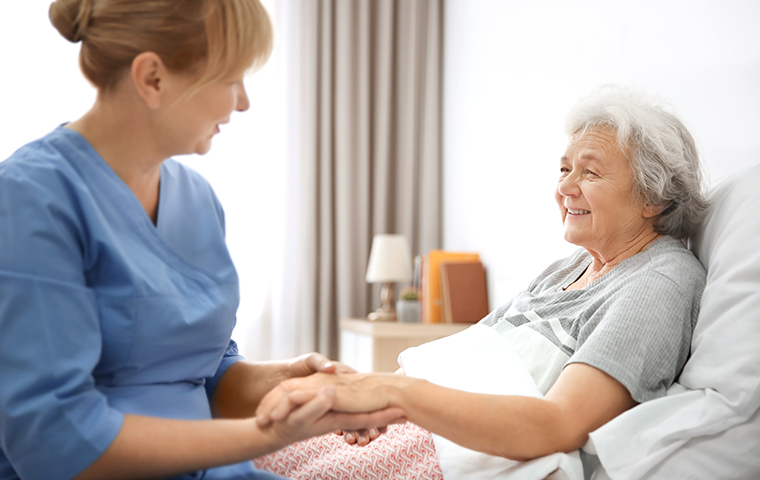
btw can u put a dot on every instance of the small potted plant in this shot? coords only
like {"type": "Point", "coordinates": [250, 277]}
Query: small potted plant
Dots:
{"type": "Point", "coordinates": [408, 308]}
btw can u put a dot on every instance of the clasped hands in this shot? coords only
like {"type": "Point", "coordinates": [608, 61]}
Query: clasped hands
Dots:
{"type": "Point", "coordinates": [357, 404]}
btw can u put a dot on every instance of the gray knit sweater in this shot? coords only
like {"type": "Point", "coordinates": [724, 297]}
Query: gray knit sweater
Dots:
{"type": "Point", "coordinates": [634, 323]}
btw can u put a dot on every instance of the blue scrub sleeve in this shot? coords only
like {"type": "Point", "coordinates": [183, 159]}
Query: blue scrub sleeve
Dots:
{"type": "Point", "coordinates": [53, 421]}
{"type": "Point", "coordinates": [231, 355]}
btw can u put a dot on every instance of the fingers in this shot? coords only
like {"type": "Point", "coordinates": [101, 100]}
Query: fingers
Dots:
{"type": "Point", "coordinates": [300, 397]}
{"type": "Point", "coordinates": [289, 403]}
{"type": "Point", "coordinates": [353, 422]}
{"type": "Point", "coordinates": [342, 368]}
{"type": "Point", "coordinates": [309, 363]}
{"type": "Point", "coordinates": [318, 363]}
{"type": "Point", "coordinates": [363, 437]}
{"type": "Point", "coordinates": [278, 403]}
{"type": "Point", "coordinates": [329, 366]}
{"type": "Point", "coordinates": [387, 416]}
{"type": "Point", "coordinates": [315, 408]}
{"type": "Point", "coordinates": [359, 437]}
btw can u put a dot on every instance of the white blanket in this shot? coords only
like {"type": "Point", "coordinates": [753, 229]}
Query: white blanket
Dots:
{"type": "Point", "coordinates": [479, 360]}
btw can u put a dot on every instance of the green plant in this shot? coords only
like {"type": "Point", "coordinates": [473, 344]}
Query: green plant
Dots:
{"type": "Point", "coordinates": [409, 293]}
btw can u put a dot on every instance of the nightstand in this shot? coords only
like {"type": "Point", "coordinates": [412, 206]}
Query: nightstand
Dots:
{"type": "Point", "coordinates": [374, 346]}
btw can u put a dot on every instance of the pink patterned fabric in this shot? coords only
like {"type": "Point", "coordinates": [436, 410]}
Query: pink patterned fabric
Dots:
{"type": "Point", "coordinates": [404, 452]}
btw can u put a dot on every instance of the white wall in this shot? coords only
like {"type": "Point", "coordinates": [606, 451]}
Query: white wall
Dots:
{"type": "Point", "coordinates": [513, 69]}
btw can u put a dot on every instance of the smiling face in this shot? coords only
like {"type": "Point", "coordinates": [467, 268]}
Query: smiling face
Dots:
{"type": "Point", "coordinates": [600, 210]}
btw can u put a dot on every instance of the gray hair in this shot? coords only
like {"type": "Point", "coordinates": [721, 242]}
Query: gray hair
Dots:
{"type": "Point", "coordinates": [663, 155]}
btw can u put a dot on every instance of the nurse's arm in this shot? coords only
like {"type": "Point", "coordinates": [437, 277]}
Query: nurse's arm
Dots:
{"type": "Point", "coordinates": [244, 383]}
{"type": "Point", "coordinates": [148, 447]}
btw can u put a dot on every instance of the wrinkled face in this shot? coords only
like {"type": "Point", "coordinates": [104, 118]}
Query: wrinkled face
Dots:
{"type": "Point", "coordinates": [192, 120]}
{"type": "Point", "coordinates": [600, 210]}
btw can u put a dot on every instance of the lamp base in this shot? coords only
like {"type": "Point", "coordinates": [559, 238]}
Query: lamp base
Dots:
{"type": "Point", "coordinates": [386, 313]}
{"type": "Point", "coordinates": [380, 316]}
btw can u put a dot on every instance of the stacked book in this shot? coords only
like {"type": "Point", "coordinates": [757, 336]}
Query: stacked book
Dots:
{"type": "Point", "coordinates": [453, 287]}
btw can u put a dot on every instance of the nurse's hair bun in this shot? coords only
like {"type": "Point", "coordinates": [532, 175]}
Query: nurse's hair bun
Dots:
{"type": "Point", "coordinates": [71, 18]}
{"type": "Point", "coordinates": [210, 40]}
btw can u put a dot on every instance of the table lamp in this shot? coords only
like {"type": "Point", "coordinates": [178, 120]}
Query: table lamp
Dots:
{"type": "Point", "coordinates": [389, 261]}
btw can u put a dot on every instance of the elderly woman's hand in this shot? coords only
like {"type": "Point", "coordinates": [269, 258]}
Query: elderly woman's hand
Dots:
{"type": "Point", "coordinates": [362, 437]}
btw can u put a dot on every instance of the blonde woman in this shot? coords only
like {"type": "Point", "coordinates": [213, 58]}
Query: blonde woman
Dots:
{"type": "Point", "coordinates": [118, 294]}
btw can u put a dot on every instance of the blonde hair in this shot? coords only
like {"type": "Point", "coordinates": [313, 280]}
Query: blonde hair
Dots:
{"type": "Point", "coordinates": [212, 39]}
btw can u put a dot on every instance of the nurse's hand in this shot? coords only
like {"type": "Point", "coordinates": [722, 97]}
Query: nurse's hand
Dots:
{"type": "Point", "coordinates": [356, 393]}
{"type": "Point", "coordinates": [316, 363]}
{"type": "Point", "coordinates": [314, 417]}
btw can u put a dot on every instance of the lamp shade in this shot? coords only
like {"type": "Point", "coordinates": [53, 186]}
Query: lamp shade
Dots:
{"type": "Point", "coordinates": [389, 260]}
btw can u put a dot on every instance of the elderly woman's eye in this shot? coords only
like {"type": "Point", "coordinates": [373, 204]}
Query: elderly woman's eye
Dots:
{"type": "Point", "coordinates": [589, 172]}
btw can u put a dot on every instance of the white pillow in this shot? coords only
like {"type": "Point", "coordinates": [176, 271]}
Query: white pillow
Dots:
{"type": "Point", "coordinates": [711, 414]}
{"type": "Point", "coordinates": [479, 360]}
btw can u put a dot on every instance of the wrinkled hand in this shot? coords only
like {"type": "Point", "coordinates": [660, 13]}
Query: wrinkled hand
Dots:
{"type": "Point", "coordinates": [313, 417]}
{"type": "Point", "coordinates": [365, 436]}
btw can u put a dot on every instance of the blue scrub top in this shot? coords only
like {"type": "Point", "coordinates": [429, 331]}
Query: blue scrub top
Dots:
{"type": "Point", "coordinates": [102, 312]}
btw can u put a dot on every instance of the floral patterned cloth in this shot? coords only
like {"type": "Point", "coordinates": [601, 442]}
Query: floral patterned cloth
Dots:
{"type": "Point", "coordinates": [403, 452]}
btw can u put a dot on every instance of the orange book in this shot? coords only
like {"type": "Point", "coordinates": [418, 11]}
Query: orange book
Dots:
{"type": "Point", "coordinates": [465, 294]}
{"type": "Point", "coordinates": [432, 305]}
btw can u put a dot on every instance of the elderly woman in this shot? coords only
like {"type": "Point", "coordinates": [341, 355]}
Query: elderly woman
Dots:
{"type": "Point", "coordinates": [117, 291]}
{"type": "Point", "coordinates": [601, 331]}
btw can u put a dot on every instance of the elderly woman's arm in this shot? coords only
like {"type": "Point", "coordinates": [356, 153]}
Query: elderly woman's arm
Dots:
{"type": "Point", "coordinates": [520, 428]}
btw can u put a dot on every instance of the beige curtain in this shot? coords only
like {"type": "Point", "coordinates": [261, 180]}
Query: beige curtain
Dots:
{"type": "Point", "coordinates": [370, 149]}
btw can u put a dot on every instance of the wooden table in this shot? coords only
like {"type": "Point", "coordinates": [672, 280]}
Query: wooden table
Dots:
{"type": "Point", "coordinates": [374, 346]}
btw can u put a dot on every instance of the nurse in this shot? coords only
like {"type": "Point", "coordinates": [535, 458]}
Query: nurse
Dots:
{"type": "Point", "coordinates": [117, 291]}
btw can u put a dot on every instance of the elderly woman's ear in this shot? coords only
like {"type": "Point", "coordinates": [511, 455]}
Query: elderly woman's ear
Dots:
{"type": "Point", "coordinates": [653, 210]}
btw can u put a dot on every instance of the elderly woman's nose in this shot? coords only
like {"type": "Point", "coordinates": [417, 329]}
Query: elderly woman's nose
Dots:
{"type": "Point", "coordinates": [568, 185]}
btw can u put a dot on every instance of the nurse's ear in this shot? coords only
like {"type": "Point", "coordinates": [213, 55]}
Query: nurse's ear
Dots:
{"type": "Point", "coordinates": [149, 76]}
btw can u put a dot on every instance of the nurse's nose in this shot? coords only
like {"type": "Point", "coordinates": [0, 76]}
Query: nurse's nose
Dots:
{"type": "Point", "coordinates": [242, 99]}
